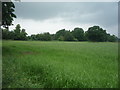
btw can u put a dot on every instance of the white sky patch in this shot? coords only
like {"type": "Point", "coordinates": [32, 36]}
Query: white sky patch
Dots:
{"type": "Point", "coordinates": [49, 25]}
{"type": "Point", "coordinates": [113, 30]}
{"type": "Point", "coordinates": [53, 25]}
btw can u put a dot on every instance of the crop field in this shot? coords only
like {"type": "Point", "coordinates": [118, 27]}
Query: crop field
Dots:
{"type": "Point", "coordinates": [57, 64]}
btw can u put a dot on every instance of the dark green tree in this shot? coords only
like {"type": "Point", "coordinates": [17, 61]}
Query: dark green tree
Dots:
{"type": "Point", "coordinates": [42, 37]}
{"type": "Point", "coordinates": [5, 34]}
{"type": "Point", "coordinates": [60, 33]}
{"type": "Point", "coordinates": [64, 35]}
{"type": "Point", "coordinates": [96, 33]}
{"type": "Point", "coordinates": [111, 38]}
{"type": "Point", "coordinates": [78, 33]}
{"type": "Point", "coordinates": [7, 14]}
{"type": "Point", "coordinates": [61, 38]}
{"type": "Point", "coordinates": [68, 36]}
{"type": "Point", "coordinates": [11, 35]}
{"type": "Point", "coordinates": [17, 32]}
{"type": "Point", "coordinates": [23, 35]}
{"type": "Point", "coordinates": [47, 36]}
{"type": "Point", "coordinates": [52, 36]}
{"type": "Point", "coordinates": [33, 37]}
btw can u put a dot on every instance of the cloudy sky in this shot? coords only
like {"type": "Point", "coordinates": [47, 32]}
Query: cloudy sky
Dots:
{"type": "Point", "coordinates": [39, 17]}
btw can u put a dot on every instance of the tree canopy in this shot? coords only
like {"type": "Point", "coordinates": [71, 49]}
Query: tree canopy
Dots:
{"type": "Point", "coordinates": [94, 33]}
{"type": "Point", "coordinates": [7, 14]}
{"type": "Point", "coordinates": [78, 33]}
{"type": "Point", "coordinates": [16, 34]}
{"type": "Point", "coordinates": [59, 34]}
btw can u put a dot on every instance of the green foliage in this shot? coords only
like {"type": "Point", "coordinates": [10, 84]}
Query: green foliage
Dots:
{"type": "Point", "coordinates": [16, 34]}
{"type": "Point", "coordinates": [96, 33]}
{"type": "Point", "coordinates": [68, 36]}
{"type": "Point", "coordinates": [42, 37]}
{"type": "Point", "coordinates": [33, 37]}
{"type": "Point", "coordinates": [111, 38]}
{"type": "Point", "coordinates": [78, 33]}
{"type": "Point", "coordinates": [52, 36]}
{"type": "Point", "coordinates": [32, 64]}
{"type": "Point", "coordinates": [59, 34]}
{"type": "Point", "coordinates": [7, 14]}
{"type": "Point", "coordinates": [23, 35]}
{"type": "Point", "coordinates": [5, 34]}
{"type": "Point", "coordinates": [61, 38]}
{"type": "Point", "coordinates": [64, 35]}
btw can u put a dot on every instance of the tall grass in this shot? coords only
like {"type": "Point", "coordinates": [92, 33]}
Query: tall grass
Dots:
{"type": "Point", "coordinates": [34, 64]}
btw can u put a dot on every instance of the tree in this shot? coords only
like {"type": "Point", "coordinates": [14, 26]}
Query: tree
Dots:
{"type": "Point", "coordinates": [68, 36]}
{"type": "Point", "coordinates": [42, 37]}
{"type": "Point", "coordinates": [64, 35]}
{"type": "Point", "coordinates": [17, 32]}
{"type": "Point", "coordinates": [5, 34]}
{"type": "Point", "coordinates": [23, 35]}
{"type": "Point", "coordinates": [11, 35]}
{"type": "Point", "coordinates": [47, 36]}
{"type": "Point", "coordinates": [96, 33]}
{"type": "Point", "coordinates": [7, 14]}
{"type": "Point", "coordinates": [61, 38]}
{"type": "Point", "coordinates": [33, 37]}
{"type": "Point", "coordinates": [52, 36]}
{"type": "Point", "coordinates": [60, 33]}
{"type": "Point", "coordinates": [78, 33]}
{"type": "Point", "coordinates": [111, 38]}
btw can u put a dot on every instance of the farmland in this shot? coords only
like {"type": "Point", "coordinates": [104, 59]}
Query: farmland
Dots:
{"type": "Point", "coordinates": [55, 64]}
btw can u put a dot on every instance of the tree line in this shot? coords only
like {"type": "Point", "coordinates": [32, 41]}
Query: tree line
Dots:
{"type": "Point", "coordinates": [16, 34]}
{"type": "Point", "coordinates": [94, 33]}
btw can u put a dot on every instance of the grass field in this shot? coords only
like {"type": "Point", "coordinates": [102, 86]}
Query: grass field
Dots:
{"type": "Point", "coordinates": [35, 64]}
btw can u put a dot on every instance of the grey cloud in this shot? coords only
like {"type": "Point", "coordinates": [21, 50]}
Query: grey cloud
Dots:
{"type": "Point", "coordinates": [98, 13]}
{"type": "Point", "coordinates": [38, 10]}
{"type": "Point", "coordinates": [101, 13]}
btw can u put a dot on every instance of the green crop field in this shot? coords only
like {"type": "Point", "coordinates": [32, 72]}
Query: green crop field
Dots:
{"type": "Point", "coordinates": [54, 64]}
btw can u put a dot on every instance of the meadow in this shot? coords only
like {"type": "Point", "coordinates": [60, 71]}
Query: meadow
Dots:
{"type": "Point", "coordinates": [57, 64]}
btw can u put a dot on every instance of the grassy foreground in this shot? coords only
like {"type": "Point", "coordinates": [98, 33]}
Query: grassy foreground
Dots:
{"type": "Point", "coordinates": [35, 64]}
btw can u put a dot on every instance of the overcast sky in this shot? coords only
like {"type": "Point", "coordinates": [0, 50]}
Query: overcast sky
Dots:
{"type": "Point", "coordinates": [39, 17]}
